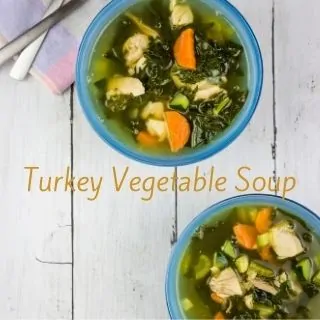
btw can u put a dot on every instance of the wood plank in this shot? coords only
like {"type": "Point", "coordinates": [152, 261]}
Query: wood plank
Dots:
{"type": "Point", "coordinates": [253, 147]}
{"type": "Point", "coordinates": [298, 96]}
{"type": "Point", "coordinates": [121, 243]}
{"type": "Point", "coordinates": [34, 130]}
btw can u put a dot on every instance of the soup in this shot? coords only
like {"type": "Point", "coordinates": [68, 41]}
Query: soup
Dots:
{"type": "Point", "coordinates": [171, 75]}
{"type": "Point", "coordinates": [254, 263]}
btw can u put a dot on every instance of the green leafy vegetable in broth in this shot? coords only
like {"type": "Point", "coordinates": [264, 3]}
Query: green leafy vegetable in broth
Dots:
{"type": "Point", "coordinates": [171, 53]}
{"type": "Point", "coordinates": [226, 274]}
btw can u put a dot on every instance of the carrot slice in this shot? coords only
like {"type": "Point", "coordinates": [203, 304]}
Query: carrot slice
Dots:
{"type": "Point", "coordinates": [184, 50]}
{"type": "Point", "coordinates": [266, 254]}
{"type": "Point", "coordinates": [246, 236]}
{"type": "Point", "coordinates": [216, 298]}
{"type": "Point", "coordinates": [219, 316]}
{"type": "Point", "coordinates": [178, 130]}
{"type": "Point", "coordinates": [146, 139]}
{"type": "Point", "coordinates": [264, 220]}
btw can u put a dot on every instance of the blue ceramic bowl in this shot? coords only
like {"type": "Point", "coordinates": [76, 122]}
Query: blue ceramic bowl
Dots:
{"type": "Point", "coordinates": [131, 150]}
{"type": "Point", "coordinates": [294, 208]}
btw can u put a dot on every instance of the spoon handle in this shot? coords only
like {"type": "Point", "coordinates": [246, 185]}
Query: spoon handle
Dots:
{"type": "Point", "coordinates": [19, 43]}
{"type": "Point", "coordinates": [23, 64]}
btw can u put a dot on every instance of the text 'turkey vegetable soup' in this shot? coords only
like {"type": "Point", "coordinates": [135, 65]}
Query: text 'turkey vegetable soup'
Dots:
{"type": "Point", "coordinates": [171, 74]}
{"type": "Point", "coordinates": [254, 263]}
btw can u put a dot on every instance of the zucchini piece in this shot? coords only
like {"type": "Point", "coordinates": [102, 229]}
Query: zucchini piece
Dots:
{"type": "Point", "coordinates": [202, 268]}
{"type": "Point", "coordinates": [187, 305]}
{"type": "Point", "coordinates": [180, 102]}
{"type": "Point", "coordinates": [264, 311]}
{"type": "Point", "coordinates": [99, 70]}
{"type": "Point", "coordinates": [317, 260]}
{"type": "Point", "coordinates": [261, 270]}
{"type": "Point", "coordinates": [293, 284]}
{"type": "Point", "coordinates": [247, 215]}
{"type": "Point", "coordinates": [242, 263]}
{"type": "Point", "coordinates": [220, 261]}
{"type": "Point", "coordinates": [316, 278]}
{"type": "Point", "coordinates": [263, 240]}
{"type": "Point", "coordinates": [229, 249]}
{"type": "Point", "coordinates": [305, 265]}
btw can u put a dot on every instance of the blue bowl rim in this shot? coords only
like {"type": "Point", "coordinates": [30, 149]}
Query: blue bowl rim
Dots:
{"type": "Point", "coordinates": [179, 247]}
{"type": "Point", "coordinates": [182, 160]}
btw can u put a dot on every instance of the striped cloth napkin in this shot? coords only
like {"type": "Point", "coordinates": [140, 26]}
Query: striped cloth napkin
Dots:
{"type": "Point", "coordinates": [55, 63]}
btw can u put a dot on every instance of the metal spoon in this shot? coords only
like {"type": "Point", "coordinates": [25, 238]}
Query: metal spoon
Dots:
{"type": "Point", "coordinates": [26, 58]}
{"type": "Point", "coordinates": [19, 43]}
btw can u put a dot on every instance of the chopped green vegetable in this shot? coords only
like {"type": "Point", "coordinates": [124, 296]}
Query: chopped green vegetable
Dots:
{"type": "Point", "coordinates": [316, 278]}
{"type": "Point", "coordinates": [229, 249]}
{"type": "Point", "coordinates": [264, 310]}
{"type": "Point", "coordinates": [305, 265]}
{"type": "Point", "coordinates": [220, 261]}
{"type": "Point", "coordinates": [261, 270]}
{"type": "Point", "coordinates": [202, 268]}
{"type": "Point", "coordinates": [186, 304]}
{"type": "Point", "coordinates": [99, 70]}
{"type": "Point", "coordinates": [180, 102]}
{"type": "Point", "coordinates": [293, 284]}
{"type": "Point", "coordinates": [263, 240]}
{"type": "Point", "coordinates": [242, 263]}
{"type": "Point", "coordinates": [247, 214]}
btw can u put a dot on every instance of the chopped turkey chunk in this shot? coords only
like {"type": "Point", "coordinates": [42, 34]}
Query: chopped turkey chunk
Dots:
{"type": "Point", "coordinates": [157, 128]}
{"type": "Point", "coordinates": [133, 51]}
{"type": "Point", "coordinates": [153, 109]}
{"type": "Point", "coordinates": [226, 284]}
{"type": "Point", "coordinates": [206, 90]}
{"type": "Point", "coordinates": [119, 85]}
{"type": "Point", "coordinates": [285, 242]}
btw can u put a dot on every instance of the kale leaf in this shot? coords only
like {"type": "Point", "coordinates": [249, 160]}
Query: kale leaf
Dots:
{"type": "Point", "coordinates": [212, 117]}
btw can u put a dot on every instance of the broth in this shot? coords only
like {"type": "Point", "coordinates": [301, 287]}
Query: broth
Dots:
{"type": "Point", "coordinates": [203, 120]}
{"type": "Point", "coordinates": [196, 294]}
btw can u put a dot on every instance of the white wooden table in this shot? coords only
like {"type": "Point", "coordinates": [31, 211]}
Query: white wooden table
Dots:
{"type": "Point", "coordinates": [64, 257]}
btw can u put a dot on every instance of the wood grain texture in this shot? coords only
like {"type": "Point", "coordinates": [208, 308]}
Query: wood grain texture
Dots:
{"type": "Point", "coordinates": [34, 130]}
{"type": "Point", "coordinates": [297, 76]}
{"type": "Point", "coordinates": [253, 147]}
{"type": "Point", "coordinates": [121, 244]}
